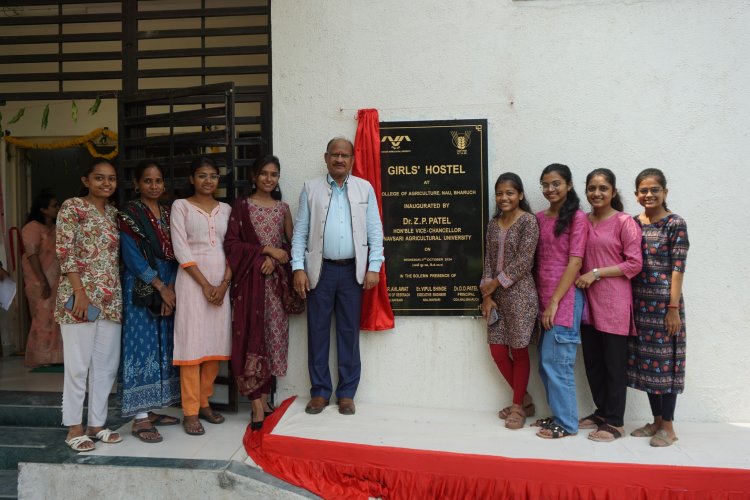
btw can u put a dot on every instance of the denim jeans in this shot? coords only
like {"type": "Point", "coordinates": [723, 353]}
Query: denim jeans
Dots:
{"type": "Point", "coordinates": [557, 359]}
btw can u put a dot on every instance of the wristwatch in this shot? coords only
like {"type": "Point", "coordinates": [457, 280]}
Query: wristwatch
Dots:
{"type": "Point", "coordinates": [596, 274]}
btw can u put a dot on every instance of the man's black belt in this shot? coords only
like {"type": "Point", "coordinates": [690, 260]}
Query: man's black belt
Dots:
{"type": "Point", "coordinates": [339, 262]}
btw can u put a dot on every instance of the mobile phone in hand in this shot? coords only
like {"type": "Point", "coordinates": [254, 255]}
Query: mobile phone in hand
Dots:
{"type": "Point", "coordinates": [91, 313]}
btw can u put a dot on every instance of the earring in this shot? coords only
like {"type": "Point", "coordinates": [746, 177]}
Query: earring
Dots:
{"type": "Point", "coordinates": [136, 189]}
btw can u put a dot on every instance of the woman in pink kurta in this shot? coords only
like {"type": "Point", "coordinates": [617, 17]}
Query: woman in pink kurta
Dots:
{"type": "Point", "coordinates": [562, 240]}
{"type": "Point", "coordinates": [202, 314]}
{"type": "Point", "coordinates": [613, 257]}
{"type": "Point", "coordinates": [41, 273]}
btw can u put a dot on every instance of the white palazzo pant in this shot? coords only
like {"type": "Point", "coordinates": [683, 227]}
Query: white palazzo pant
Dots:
{"type": "Point", "coordinates": [93, 350]}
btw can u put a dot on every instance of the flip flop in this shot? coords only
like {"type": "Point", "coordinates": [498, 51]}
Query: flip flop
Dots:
{"type": "Point", "coordinates": [76, 443]}
{"type": "Point", "coordinates": [139, 434]}
{"type": "Point", "coordinates": [613, 431]}
{"type": "Point", "coordinates": [662, 439]}
{"type": "Point", "coordinates": [644, 432]}
{"type": "Point", "coordinates": [105, 436]}
{"type": "Point", "coordinates": [162, 420]}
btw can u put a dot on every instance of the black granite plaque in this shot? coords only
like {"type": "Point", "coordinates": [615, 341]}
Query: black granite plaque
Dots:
{"type": "Point", "coordinates": [434, 198]}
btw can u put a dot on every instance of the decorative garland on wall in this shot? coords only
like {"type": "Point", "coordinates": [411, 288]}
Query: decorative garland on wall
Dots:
{"type": "Point", "coordinates": [87, 139]}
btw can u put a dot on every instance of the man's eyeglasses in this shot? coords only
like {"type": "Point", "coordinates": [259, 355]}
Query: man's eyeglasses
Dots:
{"type": "Point", "coordinates": [343, 156]}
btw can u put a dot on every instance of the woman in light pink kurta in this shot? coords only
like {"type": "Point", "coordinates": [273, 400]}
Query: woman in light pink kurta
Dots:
{"type": "Point", "coordinates": [41, 274]}
{"type": "Point", "coordinates": [202, 313]}
{"type": "Point", "coordinates": [613, 257]}
{"type": "Point", "coordinates": [201, 329]}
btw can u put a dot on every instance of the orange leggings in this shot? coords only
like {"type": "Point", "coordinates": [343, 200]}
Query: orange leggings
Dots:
{"type": "Point", "coordinates": [197, 385]}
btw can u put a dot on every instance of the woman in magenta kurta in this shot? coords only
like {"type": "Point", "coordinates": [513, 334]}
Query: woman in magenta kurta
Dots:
{"type": "Point", "coordinates": [562, 240]}
{"type": "Point", "coordinates": [613, 257]}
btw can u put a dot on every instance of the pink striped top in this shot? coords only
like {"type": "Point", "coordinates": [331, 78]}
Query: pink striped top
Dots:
{"type": "Point", "coordinates": [613, 241]}
{"type": "Point", "coordinates": [552, 255]}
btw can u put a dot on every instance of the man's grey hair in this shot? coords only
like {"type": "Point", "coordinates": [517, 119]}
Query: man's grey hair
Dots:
{"type": "Point", "coordinates": [339, 138]}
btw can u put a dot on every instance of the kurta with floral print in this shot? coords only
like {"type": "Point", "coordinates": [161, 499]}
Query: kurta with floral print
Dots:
{"type": "Point", "coordinates": [88, 242]}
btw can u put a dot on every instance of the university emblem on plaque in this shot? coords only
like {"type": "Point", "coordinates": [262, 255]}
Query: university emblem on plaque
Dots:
{"type": "Point", "coordinates": [461, 141]}
{"type": "Point", "coordinates": [395, 141]}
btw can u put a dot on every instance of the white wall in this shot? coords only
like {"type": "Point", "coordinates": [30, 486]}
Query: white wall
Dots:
{"type": "Point", "coordinates": [590, 83]}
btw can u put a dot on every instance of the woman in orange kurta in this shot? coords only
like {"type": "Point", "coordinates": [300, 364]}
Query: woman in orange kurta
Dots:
{"type": "Point", "coordinates": [202, 314]}
{"type": "Point", "coordinates": [41, 273]}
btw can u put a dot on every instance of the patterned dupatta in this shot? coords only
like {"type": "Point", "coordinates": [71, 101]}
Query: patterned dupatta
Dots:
{"type": "Point", "coordinates": [150, 234]}
{"type": "Point", "coordinates": [153, 239]}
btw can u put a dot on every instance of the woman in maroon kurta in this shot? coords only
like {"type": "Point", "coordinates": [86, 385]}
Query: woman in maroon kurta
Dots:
{"type": "Point", "coordinates": [259, 257]}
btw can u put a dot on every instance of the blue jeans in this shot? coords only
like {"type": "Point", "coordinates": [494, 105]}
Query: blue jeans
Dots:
{"type": "Point", "coordinates": [557, 359]}
{"type": "Point", "coordinates": [337, 293]}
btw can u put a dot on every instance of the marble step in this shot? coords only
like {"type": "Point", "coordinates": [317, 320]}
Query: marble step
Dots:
{"type": "Point", "coordinates": [42, 409]}
{"type": "Point", "coordinates": [32, 444]}
{"type": "Point", "coordinates": [8, 484]}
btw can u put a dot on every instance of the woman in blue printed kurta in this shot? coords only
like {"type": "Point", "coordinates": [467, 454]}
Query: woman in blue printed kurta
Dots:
{"type": "Point", "coordinates": [149, 379]}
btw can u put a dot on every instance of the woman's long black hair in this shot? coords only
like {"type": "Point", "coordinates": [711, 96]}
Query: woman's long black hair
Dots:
{"type": "Point", "coordinates": [571, 204]}
{"type": "Point", "coordinates": [517, 184]}
{"type": "Point", "coordinates": [41, 202]}
{"type": "Point", "coordinates": [261, 162]}
{"type": "Point", "coordinates": [609, 176]}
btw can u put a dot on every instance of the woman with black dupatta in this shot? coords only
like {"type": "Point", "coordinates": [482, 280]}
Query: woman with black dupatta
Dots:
{"type": "Point", "coordinates": [149, 379]}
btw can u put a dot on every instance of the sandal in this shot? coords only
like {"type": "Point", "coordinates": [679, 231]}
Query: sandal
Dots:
{"type": "Point", "coordinates": [268, 413]}
{"type": "Point", "coordinates": [613, 431]}
{"type": "Point", "coordinates": [594, 422]}
{"type": "Point", "coordinates": [106, 436]}
{"type": "Point", "coordinates": [163, 420]}
{"type": "Point", "coordinates": [644, 432]}
{"type": "Point", "coordinates": [210, 416]}
{"type": "Point", "coordinates": [662, 439]}
{"type": "Point", "coordinates": [516, 418]}
{"type": "Point", "coordinates": [193, 427]}
{"type": "Point", "coordinates": [77, 443]}
{"type": "Point", "coordinates": [139, 433]}
{"type": "Point", "coordinates": [544, 423]}
{"type": "Point", "coordinates": [557, 431]}
{"type": "Point", "coordinates": [528, 409]}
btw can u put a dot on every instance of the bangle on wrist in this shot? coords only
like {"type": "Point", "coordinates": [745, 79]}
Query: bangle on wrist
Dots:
{"type": "Point", "coordinates": [228, 282]}
{"type": "Point", "coordinates": [596, 274]}
{"type": "Point", "coordinates": [77, 289]}
{"type": "Point", "coordinates": [670, 306]}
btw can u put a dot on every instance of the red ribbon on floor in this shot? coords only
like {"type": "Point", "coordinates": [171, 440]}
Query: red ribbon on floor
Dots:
{"type": "Point", "coordinates": [377, 314]}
